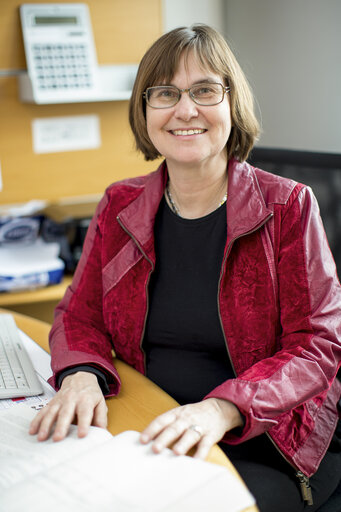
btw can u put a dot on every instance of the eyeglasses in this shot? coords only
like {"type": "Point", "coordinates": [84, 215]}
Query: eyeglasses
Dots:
{"type": "Point", "coordinates": [166, 96]}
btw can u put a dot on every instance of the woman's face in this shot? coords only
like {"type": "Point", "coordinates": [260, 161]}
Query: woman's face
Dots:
{"type": "Point", "coordinates": [168, 128]}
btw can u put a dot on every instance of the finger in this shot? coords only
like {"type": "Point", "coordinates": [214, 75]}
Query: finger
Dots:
{"type": "Point", "coordinates": [204, 447]}
{"type": "Point", "coordinates": [157, 425]}
{"type": "Point", "coordinates": [100, 418]}
{"type": "Point", "coordinates": [85, 414]}
{"type": "Point", "coordinates": [189, 439]}
{"type": "Point", "coordinates": [35, 423]}
{"type": "Point", "coordinates": [48, 419]}
{"type": "Point", "coordinates": [63, 421]}
{"type": "Point", "coordinates": [169, 435]}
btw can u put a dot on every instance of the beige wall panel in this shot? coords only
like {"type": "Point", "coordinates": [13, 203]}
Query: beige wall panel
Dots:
{"type": "Point", "coordinates": [11, 43]}
{"type": "Point", "coordinates": [27, 175]}
{"type": "Point", "coordinates": [123, 30]}
{"type": "Point", "coordinates": [126, 30]}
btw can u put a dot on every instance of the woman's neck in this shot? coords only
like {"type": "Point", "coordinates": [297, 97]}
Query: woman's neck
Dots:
{"type": "Point", "coordinates": [194, 192]}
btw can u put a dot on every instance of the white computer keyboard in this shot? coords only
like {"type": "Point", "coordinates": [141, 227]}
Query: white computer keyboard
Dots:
{"type": "Point", "coordinates": [17, 375]}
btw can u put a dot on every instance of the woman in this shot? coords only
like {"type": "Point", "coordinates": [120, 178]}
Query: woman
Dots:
{"type": "Point", "coordinates": [255, 369]}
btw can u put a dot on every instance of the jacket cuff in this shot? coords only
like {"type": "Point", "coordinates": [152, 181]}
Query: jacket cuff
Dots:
{"type": "Point", "coordinates": [68, 361]}
{"type": "Point", "coordinates": [253, 426]}
{"type": "Point", "coordinates": [101, 377]}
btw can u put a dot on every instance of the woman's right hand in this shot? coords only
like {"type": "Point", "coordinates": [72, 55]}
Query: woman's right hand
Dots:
{"type": "Point", "coordinates": [80, 397]}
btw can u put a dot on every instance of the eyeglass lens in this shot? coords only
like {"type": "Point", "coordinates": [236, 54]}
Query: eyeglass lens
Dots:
{"type": "Point", "coordinates": [168, 95]}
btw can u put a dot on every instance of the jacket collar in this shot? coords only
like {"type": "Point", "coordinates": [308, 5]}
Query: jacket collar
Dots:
{"type": "Point", "coordinates": [139, 216]}
{"type": "Point", "coordinates": [245, 205]}
{"type": "Point", "coordinates": [246, 208]}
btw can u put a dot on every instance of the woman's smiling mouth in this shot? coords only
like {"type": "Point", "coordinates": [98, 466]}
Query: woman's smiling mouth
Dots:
{"type": "Point", "coordinates": [195, 131]}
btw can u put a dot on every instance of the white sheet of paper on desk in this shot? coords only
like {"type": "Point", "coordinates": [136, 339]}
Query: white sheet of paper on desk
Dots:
{"type": "Point", "coordinates": [106, 473]}
{"type": "Point", "coordinates": [40, 358]}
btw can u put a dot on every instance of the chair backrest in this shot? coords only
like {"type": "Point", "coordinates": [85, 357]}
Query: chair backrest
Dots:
{"type": "Point", "coordinates": [322, 172]}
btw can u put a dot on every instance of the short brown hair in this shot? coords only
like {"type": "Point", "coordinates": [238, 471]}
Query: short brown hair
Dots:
{"type": "Point", "coordinates": [159, 65]}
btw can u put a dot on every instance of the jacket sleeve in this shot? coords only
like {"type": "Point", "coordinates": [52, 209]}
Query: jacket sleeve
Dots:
{"type": "Point", "coordinates": [78, 336]}
{"type": "Point", "coordinates": [309, 296]}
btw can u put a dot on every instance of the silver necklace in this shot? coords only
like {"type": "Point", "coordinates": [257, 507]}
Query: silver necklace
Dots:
{"type": "Point", "coordinates": [176, 210]}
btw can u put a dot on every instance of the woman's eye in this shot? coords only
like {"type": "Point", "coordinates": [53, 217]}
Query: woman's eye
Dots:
{"type": "Point", "coordinates": [201, 91]}
{"type": "Point", "coordinates": [166, 93]}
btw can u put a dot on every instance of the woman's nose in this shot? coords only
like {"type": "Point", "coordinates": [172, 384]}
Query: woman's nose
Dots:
{"type": "Point", "coordinates": [186, 108]}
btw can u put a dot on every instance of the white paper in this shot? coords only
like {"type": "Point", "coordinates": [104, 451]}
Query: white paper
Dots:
{"type": "Point", "coordinates": [69, 133]}
{"type": "Point", "coordinates": [101, 472]}
{"type": "Point", "coordinates": [40, 358]}
{"type": "Point", "coordinates": [24, 259]}
{"type": "Point", "coordinates": [106, 473]}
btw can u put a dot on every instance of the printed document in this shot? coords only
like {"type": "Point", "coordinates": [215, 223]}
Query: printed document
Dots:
{"type": "Point", "coordinates": [106, 473]}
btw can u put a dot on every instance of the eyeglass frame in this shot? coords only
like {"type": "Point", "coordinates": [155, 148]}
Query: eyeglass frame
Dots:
{"type": "Point", "coordinates": [180, 91]}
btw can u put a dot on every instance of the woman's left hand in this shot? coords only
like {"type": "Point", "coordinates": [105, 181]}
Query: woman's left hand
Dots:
{"type": "Point", "coordinates": [201, 424]}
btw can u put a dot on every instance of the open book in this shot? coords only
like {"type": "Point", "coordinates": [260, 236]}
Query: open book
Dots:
{"type": "Point", "coordinates": [106, 473]}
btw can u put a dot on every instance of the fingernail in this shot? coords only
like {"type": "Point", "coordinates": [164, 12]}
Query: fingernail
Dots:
{"type": "Point", "coordinates": [82, 431]}
{"type": "Point", "coordinates": [157, 447]}
{"type": "Point", "coordinates": [41, 435]}
{"type": "Point", "coordinates": [144, 438]}
{"type": "Point", "coordinates": [58, 435]}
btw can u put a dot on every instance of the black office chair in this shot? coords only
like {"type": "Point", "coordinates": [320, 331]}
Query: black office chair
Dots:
{"type": "Point", "coordinates": [322, 172]}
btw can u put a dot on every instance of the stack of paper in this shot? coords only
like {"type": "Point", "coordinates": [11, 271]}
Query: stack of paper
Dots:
{"type": "Point", "coordinates": [106, 473]}
{"type": "Point", "coordinates": [29, 266]}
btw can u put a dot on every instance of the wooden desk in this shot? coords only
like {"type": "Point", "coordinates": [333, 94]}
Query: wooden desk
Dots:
{"type": "Point", "coordinates": [139, 401]}
{"type": "Point", "coordinates": [38, 303]}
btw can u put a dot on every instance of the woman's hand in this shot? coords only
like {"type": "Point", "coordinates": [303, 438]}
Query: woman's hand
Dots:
{"type": "Point", "coordinates": [202, 424]}
{"type": "Point", "coordinates": [79, 396]}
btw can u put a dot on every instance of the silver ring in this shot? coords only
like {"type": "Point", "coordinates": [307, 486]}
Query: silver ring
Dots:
{"type": "Point", "coordinates": [196, 429]}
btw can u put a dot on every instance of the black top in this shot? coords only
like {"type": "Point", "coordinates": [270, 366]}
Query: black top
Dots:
{"type": "Point", "coordinates": [185, 348]}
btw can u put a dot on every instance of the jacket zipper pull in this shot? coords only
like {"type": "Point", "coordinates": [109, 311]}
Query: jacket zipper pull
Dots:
{"type": "Point", "coordinates": [305, 488]}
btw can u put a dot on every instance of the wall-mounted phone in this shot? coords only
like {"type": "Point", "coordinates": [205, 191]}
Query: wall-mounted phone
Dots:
{"type": "Point", "coordinates": [60, 52]}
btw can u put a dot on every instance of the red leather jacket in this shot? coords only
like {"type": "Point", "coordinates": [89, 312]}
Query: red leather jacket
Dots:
{"type": "Point", "coordinates": [279, 304]}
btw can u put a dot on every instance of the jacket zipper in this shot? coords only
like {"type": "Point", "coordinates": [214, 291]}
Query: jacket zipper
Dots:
{"type": "Point", "coordinates": [305, 488]}
{"type": "Point", "coordinates": [221, 275]}
{"type": "Point", "coordinates": [146, 288]}
{"type": "Point", "coordinates": [302, 478]}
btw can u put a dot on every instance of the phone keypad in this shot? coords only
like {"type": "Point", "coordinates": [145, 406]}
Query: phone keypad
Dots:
{"type": "Point", "coordinates": [62, 66]}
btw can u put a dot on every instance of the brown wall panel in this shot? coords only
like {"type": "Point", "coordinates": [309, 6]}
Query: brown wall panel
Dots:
{"type": "Point", "coordinates": [123, 30]}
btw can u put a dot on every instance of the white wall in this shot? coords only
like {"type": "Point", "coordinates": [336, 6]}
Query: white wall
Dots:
{"type": "Point", "coordinates": [177, 13]}
{"type": "Point", "coordinates": [291, 53]}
